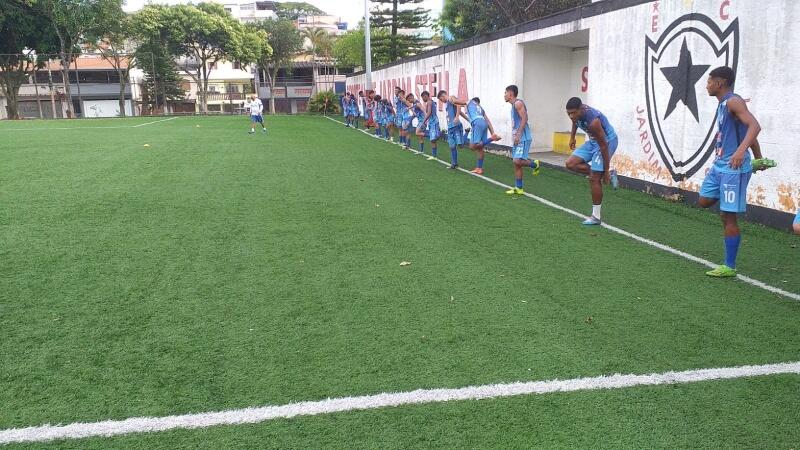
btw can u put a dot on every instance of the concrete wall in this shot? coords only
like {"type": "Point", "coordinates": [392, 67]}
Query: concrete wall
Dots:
{"type": "Point", "coordinates": [673, 150]}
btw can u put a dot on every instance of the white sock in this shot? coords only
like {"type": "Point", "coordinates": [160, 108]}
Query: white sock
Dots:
{"type": "Point", "coordinates": [596, 211]}
{"type": "Point", "coordinates": [252, 129]}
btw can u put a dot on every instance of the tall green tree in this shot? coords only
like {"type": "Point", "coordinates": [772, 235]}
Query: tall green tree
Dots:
{"type": "Point", "coordinates": [293, 10]}
{"type": "Point", "coordinates": [394, 15]}
{"type": "Point", "coordinates": [112, 40]}
{"type": "Point", "coordinates": [285, 43]}
{"type": "Point", "coordinates": [349, 49]}
{"type": "Point", "coordinates": [73, 21]}
{"type": "Point", "coordinates": [156, 52]}
{"type": "Point", "coordinates": [24, 30]}
{"type": "Point", "coordinates": [206, 34]}
{"type": "Point", "coordinates": [463, 19]}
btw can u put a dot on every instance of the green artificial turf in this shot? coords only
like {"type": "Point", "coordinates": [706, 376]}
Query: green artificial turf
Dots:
{"type": "Point", "coordinates": [216, 269]}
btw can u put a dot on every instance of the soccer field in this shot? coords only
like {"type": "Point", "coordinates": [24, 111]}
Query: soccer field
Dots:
{"type": "Point", "coordinates": [215, 270]}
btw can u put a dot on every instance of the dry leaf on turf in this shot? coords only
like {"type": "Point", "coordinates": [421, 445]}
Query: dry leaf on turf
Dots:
{"type": "Point", "coordinates": [405, 263]}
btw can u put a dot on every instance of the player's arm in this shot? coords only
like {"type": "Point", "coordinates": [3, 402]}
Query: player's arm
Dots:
{"type": "Point", "coordinates": [756, 147]}
{"type": "Point", "coordinates": [428, 112]}
{"type": "Point", "coordinates": [523, 122]}
{"type": "Point", "coordinates": [461, 114]}
{"type": "Point", "coordinates": [456, 101]}
{"type": "Point", "coordinates": [738, 108]}
{"type": "Point", "coordinates": [572, 135]}
{"type": "Point", "coordinates": [596, 128]}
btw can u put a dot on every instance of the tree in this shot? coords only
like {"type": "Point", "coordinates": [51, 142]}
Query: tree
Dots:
{"type": "Point", "coordinates": [349, 49]}
{"type": "Point", "coordinates": [393, 18]}
{"type": "Point", "coordinates": [23, 30]}
{"type": "Point", "coordinates": [293, 10]}
{"type": "Point", "coordinates": [464, 19]}
{"type": "Point", "coordinates": [285, 43]}
{"type": "Point", "coordinates": [152, 28]}
{"type": "Point", "coordinates": [113, 44]}
{"type": "Point", "coordinates": [321, 43]}
{"type": "Point", "coordinates": [207, 35]}
{"type": "Point", "coordinates": [72, 21]}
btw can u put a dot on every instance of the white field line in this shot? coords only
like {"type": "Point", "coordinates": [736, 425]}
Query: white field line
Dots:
{"type": "Point", "coordinates": [89, 128]}
{"type": "Point", "coordinates": [366, 402]}
{"type": "Point", "coordinates": [658, 245]}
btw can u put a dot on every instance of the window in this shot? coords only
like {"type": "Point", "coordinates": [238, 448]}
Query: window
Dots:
{"type": "Point", "coordinates": [237, 65]}
{"type": "Point", "coordinates": [227, 10]}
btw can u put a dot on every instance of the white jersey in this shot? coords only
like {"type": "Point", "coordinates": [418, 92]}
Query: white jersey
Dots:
{"type": "Point", "coordinates": [255, 107]}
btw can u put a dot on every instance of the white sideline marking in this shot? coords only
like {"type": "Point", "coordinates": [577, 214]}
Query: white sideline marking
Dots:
{"type": "Point", "coordinates": [332, 405]}
{"type": "Point", "coordinates": [155, 121]}
{"type": "Point", "coordinates": [89, 128]}
{"type": "Point", "coordinates": [658, 245]}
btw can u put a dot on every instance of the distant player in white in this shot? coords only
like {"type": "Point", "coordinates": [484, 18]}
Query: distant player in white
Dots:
{"type": "Point", "coordinates": [255, 106]}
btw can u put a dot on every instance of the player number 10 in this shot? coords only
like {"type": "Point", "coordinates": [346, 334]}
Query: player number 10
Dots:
{"type": "Point", "coordinates": [730, 196]}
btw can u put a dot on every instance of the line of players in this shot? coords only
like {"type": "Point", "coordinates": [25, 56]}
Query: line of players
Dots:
{"type": "Point", "coordinates": [725, 183]}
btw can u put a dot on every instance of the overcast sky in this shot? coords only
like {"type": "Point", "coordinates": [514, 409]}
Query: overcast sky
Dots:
{"type": "Point", "coordinates": [350, 11]}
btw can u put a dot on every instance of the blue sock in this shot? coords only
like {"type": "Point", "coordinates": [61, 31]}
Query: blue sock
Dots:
{"type": "Point", "coordinates": [518, 183]}
{"type": "Point", "coordinates": [433, 151]}
{"type": "Point", "coordinates": [731, 249]}
{"type": "Point", "coordinates": [454, 156]}
{"type": "Point", "coordinates": [480, 163]}
{"type": "Point", "coordinates": [421, 147]}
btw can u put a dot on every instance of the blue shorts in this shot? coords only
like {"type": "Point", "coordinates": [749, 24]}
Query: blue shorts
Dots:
{"type": "Point", "coordinates": [256, 118]}
{"type": "Point", "coordinates": [729, 188]}
{"type": "Point", "coordinates": [398, 121]}
{"type": "Point", "coordinates": [434, 132]}
{"type": "Point", "coordinates": [521, 150]}
{"type": "Point", "coordinates": [455, 135]}
{"type": "Point", "coordinates": [590, 153]}
{"type": "Point", "coordinates": [480, 132]}
{"type": "Point", "coordinates": [406, 125]}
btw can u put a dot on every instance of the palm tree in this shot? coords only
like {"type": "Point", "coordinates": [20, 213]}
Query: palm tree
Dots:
{"type": "Point", "coordinates": [320, 40]}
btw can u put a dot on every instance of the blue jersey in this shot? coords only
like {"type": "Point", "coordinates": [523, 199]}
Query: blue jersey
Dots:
{"type": "Point", "coordinates": [474, 111]}
{"type": "Point", "coordinates": [452, 115]}
{"type": "Point", "coordinates": [399, 107]}
{"type": "Point", "coordinates": [434, 118]}
{"type": "Point", "coordinates": [516, 120]}
{"type": "Point", "coordinates": [730, 134]}
{"type": "Point", "coordinates": [797, 218]}
{"type": "Point", "coordinates": [589, 115]}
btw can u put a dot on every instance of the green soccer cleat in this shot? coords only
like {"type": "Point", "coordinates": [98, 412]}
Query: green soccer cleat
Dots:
{"type": "Point", "coordinates": [722, 271]}
{"type": "Point", "coordinates": [763, 164]}
{"type": "Point", "coordinates": [537, 166]}
{"type": "Point", "coordinates": [515, 191]}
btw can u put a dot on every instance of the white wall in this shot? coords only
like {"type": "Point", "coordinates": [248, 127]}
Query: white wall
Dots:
{"type": "Point", "coordinates": [105, 108]}
{"type": "Point", "coordinates": [768, 39]}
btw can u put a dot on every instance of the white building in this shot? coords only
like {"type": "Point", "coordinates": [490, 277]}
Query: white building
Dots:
{"type": "Point", "coordinates": [248, 11]}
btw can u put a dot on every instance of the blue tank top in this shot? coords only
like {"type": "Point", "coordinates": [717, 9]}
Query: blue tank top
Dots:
{"type": "Point", "coordinates": [452, 121]}
{"type": "Point", "coordinates": [525, 136]}
{"type": "Point", "coordinates": [730, 134]}
{"type": "Point", "coordinates": [474, 111]}
{"type": "Point", "coordinates": [589, 115]}
{"type": "Point", "coordinates": [399, 107]}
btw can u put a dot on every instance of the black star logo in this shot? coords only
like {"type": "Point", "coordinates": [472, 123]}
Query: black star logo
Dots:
{"type": "Point", "coordinates": [683, 78]}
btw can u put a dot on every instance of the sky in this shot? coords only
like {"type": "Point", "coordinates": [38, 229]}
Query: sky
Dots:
{"type": "Point", "coordinates": [351, 11]}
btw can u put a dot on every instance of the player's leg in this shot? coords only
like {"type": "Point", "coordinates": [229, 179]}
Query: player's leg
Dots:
{"type": "Point", "coordinates": [453, 141]}
{"type": "Point", "coordinates": [261, 121]}
{"type": "Point", "coordinates": [421, 132]}
{"type": "Point", "coordinates": [252, 124]}
{"type": "Point", "coordinates": [732, 201]}
{"type": "Point", "coordinates": [480, 130]}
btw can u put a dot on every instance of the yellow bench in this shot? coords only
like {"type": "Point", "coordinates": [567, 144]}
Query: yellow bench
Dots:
{"type": "Point", "coordinates": [561, 141]}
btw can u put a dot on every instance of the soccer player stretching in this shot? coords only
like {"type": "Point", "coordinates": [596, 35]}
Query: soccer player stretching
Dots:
{"type": "Point", "coordinates": [430, 124]}
{"type": "Point", "coordinates": [455, 130]}
{"type": "Point", "coordinates": [255, 106]}
{"type": "Point", "coordinates": [593, 157]}
{"type": "Point", "coordinates": [727, 180]}
{"type": "Point", "coordinates": [523, 139]}
{"type": "Point", "coordinates": [482, 129]}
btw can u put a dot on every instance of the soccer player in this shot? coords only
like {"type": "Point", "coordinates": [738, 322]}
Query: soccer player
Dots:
{"type": "Point", "coordinates": [796, 224]}
{"type": "Point", "coordinates": [455, 129]}
{"type": "Point", "coordinates": [389, 119]}
{"type": "Point", "coordinates": [409, 113]}
{"type": "Point", "coordinates": [400, 109]}
{"type": "Point", "coordinates": [255, 106]}
{"type": "Point", "coordinates": [482, 129]}
{"type": "Point", "coordinates": [523, 139]}
{"type": "Point", "coordinates": [592, 158]}
{"type": "Point", "coordinates": [430, 124]}
{"type": "Point", "coordinates": [729, 176]}
{"type": "Point", "coordinates": [379, 114]}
